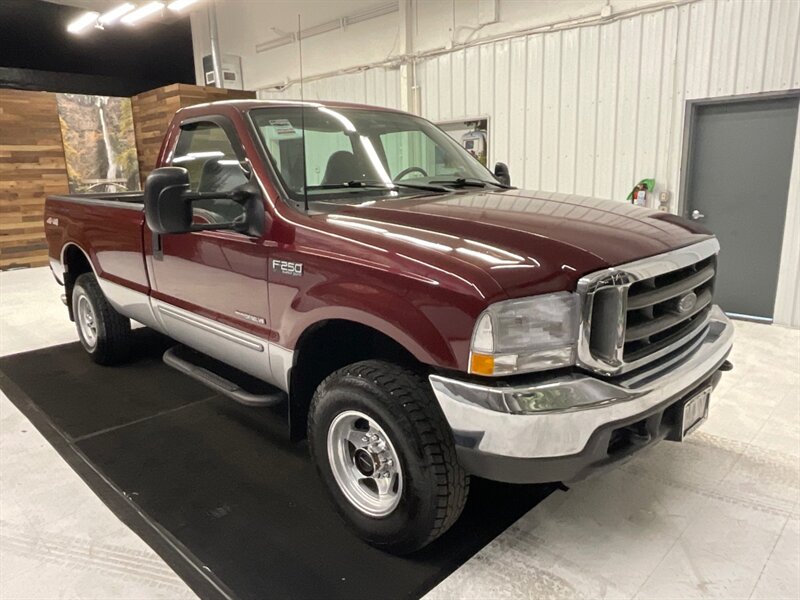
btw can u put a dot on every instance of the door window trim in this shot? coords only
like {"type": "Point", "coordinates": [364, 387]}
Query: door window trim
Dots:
{"type": "Point", "coordinates": [223, 123]}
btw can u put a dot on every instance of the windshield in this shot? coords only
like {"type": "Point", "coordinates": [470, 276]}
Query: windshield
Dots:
{"type": "Point", "coordinates": [351, 153]}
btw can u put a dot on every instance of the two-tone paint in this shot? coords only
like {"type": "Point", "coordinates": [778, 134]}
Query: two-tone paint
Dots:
{"type": "Point", "coordinates": [419, 270]}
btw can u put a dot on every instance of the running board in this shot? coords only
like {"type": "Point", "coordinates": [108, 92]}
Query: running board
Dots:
{"type": "Point", "coordinates": [219, 383]}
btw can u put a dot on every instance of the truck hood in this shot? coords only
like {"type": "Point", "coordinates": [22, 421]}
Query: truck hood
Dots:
{"type": "Point", "coordinates": [528, 242]}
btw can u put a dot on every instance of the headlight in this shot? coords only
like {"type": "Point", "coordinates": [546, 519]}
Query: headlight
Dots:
{"type": "Point", "coordinates": [521, 336]}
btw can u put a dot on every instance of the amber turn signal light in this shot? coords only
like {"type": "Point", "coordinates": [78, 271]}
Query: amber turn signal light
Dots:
{"type": "Point", "coordinates": [481, 364]}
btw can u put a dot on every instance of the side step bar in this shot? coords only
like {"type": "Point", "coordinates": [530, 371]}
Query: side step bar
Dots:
{"type": "Point", "coordinates": [220, 384]}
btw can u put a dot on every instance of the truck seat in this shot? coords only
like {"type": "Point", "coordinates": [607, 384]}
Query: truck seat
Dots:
{"type": "Point", "coordinates": [343, 166]}
{"type": "Point", "coordinates": [217, 177]}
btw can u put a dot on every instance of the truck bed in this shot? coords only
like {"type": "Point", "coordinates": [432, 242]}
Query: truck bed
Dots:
{"type": "Point", "coordinates": [106, 227]}
{"type": "Point", "coordinates": [120, 199]}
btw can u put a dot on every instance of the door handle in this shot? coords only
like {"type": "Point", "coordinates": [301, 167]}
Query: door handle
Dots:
{"type": "Point", "coordinates": [697, 215]}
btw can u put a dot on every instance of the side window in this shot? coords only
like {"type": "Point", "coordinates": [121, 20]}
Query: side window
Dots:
{"type": "Point", "coordinates": [205, 151]}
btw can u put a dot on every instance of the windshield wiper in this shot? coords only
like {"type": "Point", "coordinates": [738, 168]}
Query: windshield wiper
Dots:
{"type": "Point", "coordinates": [470, 182]}
{"type": "Point", "coordinates": [358, 184]}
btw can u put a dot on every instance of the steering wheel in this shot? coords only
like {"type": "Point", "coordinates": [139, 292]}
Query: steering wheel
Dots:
{"type": "Point", "coordinates": [409, 170]}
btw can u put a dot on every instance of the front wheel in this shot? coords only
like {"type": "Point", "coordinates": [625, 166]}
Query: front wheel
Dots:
{"type": "Point", "coordinates": [381, 444]}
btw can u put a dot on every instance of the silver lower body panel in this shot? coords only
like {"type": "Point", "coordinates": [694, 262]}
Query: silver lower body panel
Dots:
{"type": "Point", "coordinates": [253, 355]}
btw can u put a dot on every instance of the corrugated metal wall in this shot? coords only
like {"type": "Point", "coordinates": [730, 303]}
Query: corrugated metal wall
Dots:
{"type": "Point", "coordinates": [378, 87]}
{"type": "Point", "coordinates": [592, 110]}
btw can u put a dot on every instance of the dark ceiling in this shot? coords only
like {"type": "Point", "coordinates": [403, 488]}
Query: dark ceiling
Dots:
{"type": "Point", "coordinates": [37, 52]}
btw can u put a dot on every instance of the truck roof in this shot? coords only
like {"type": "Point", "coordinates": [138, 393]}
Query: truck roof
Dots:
{"type": "Point", "coordinates": [243, 106]}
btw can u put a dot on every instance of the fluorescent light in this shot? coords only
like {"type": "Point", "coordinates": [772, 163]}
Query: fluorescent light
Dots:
{"type": "Point", "coordinates": [85, 20]}
{"type": "Point", "coordinates": [142, 13]}
{"type": "Point", "coordinates": [193, 155]}
{"type": "Point", "coordinates": [115, 13]}
{"type": "Point", "coordinates": [178, 5]}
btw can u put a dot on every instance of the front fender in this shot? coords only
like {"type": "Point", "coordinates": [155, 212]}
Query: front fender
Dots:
{"type": "Point", "coordinates": [431, 324]}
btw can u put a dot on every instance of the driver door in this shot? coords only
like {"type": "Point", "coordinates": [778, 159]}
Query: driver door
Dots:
{"type": "Point", "coordinates": [210, 288]}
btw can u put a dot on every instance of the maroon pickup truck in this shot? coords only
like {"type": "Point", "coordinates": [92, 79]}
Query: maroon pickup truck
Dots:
{"type": "Point", "coordinates": [423, 320]}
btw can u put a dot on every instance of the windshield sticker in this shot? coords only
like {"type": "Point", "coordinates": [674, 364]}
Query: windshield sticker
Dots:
{"type": "Point", "coordinates": [282, 127]}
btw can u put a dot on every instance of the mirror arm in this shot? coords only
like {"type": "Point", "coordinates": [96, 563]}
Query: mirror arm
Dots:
{"type": "Point", "coordinates": [235, 196]}
{"type": "Point", "coordinates": [231, 225]}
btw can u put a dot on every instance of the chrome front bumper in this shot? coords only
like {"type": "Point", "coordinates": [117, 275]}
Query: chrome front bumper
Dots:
{"type": "Point", "coordinates": [594, 403]}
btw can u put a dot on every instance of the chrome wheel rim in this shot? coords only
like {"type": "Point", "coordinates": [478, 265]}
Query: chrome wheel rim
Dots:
{"type": "Point", "coordinates": [364, 463]}
{"type": "Point", "coordinates": [87, 321]}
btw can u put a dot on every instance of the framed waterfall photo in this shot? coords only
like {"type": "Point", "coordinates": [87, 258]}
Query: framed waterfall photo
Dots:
{"type": "Point", "coordinates": [99, 143]}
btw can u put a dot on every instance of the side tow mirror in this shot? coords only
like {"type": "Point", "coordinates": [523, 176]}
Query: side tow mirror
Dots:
{"type": "Point", "coordinates": [166, 207]}
{"type": "Point", "coordinates": [502, 174]}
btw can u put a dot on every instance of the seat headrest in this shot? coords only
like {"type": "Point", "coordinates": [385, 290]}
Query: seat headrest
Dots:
{"type": "Point", "coordinates": [217, 177]}
{"type": "Point", "coordinates": [342, 167]}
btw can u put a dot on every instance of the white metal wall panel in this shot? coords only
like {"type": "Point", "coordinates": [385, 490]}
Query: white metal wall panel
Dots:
{"type": "Point", "coordinates": [568, 109]}
{"type": "Point", "coordinates": [595, 109]}
{"type": "Point", "coordinates": [787, 304]}
{"type": "Point", "coordinates": [592, 110]}
{"type": "Point", "coordinates": [379, 87]}
{"type": "Point", "coordinates": [551, 113]}
{"type": "Point", "coordinates": [501, 95]}
{"type": "Point", "coordinates": [517, 101]}
{"type": "Point", "coordinates": [607, 110]}
{"type": "Point", "coordinates": [586, 132]}
{"type": "Point", "coordinates": [534, 105]}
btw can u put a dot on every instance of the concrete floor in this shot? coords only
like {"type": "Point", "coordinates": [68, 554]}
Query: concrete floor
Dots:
{"type": "Point", "coordinates": [715, 517]}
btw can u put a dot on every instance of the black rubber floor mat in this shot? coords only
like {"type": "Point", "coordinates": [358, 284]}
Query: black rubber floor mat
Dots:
{"type": "Point", "coordinates": [218, 490]}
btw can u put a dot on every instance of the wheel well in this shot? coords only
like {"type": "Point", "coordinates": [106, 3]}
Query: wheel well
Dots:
{"type": "Point", "coordinates": [76, 264]}
{"type": "Point", "coordinates": [326, 347]}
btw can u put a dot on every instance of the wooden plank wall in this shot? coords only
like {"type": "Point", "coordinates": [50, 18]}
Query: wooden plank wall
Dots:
{"type": "Point", "coordinates": [32, 166]}
{"type": "Point", "coordinates": [153, 110]}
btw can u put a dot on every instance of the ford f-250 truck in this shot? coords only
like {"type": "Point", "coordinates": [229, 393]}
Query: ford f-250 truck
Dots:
{"type": "Point", "coordinates": [423, 320]}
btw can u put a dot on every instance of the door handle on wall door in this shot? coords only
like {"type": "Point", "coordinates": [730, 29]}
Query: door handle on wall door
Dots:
{"type": "Point", "coordinates": [697, 215]}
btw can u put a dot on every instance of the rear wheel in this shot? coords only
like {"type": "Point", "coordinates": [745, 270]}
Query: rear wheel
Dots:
{"type": "Point", "coordinates": [104, 333]}
{"type": "Point", "coordinates": [383, 447]}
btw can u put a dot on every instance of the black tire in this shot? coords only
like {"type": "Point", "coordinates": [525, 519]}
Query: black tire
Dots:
{"type": "Point", "coordinates": [400, 401]}
{"type": "Point", "coordinates": [112, 337]}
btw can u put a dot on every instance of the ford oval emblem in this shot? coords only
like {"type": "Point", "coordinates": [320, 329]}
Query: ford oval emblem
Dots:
{"type": "Point", "coordinates": [687, 302]}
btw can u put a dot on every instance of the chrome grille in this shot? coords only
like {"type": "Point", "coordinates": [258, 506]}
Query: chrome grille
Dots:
{"type": "Point", "coordinates": [636, 313]}
{"type": "Point", "coordinates": [655, 317]}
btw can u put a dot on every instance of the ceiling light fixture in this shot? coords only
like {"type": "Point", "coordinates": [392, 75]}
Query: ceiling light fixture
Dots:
{"type": "Point", "coordinates": [142, 13]}
{"type": "Point", "coordinates": [178, 5]}
{"type": "Point", "coordinates": [85, 20]}
{"type": "Point", "coordinates": [115, 13]}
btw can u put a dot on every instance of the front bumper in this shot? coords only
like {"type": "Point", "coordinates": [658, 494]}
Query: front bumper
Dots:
{"type": "Point", "coordinates": [612, 418]}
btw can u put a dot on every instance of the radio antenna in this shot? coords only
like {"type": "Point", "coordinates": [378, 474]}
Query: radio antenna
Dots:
{"type": "Point", "coordinates": [302, 112]}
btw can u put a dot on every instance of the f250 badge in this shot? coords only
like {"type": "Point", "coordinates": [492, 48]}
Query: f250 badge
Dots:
{"type": "Point", "coordinates": [285, 267]}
